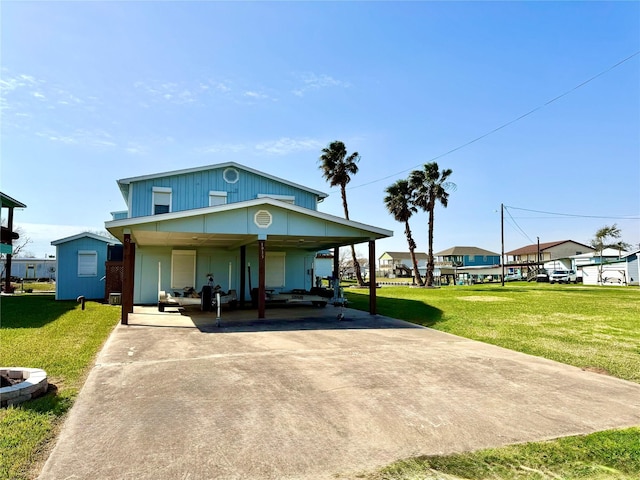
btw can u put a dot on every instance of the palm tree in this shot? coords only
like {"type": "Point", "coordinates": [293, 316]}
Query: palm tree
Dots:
{"type": "Point", "coordinates": [399, 203]}
{"type": "Point", "coordinates": [337, 168]}
{"type": "Point", "coordinates": [604, 238]}
{"type": "Point", "coordinates": [429, 186]}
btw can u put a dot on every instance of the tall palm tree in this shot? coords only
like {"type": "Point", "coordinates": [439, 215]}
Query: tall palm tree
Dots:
{"type": "Point", "coordinates": [429, 186]}
{"type": "Point", "coordinates": [399, 203]}
{"type": "Point", "coordinates": [337, 168]}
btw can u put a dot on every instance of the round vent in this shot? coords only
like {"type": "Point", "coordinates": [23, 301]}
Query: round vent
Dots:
{"type": "Point", "coordinates": [262, 218]}
{"type": "Point", "coordinates": [231, 175]}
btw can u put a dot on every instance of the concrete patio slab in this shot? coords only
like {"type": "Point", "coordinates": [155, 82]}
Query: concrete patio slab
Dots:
{"type": "Point", "coordinates": [302, 395]}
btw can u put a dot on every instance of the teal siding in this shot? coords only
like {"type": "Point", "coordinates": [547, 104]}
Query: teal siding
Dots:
{"type": "Point", "coordinates": [69, 285]}
{"type": "Point", "coordinates": [298, 267]}
{"type": "Point", "coordinates": [191, 190]}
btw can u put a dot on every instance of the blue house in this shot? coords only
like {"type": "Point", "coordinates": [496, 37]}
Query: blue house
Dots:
{"type": "Point", "coordinates": [466, 257]}
{"type": "Point", "coordinates": [80, 266]}
{"type": "Point", "coordinates": [245, 227]}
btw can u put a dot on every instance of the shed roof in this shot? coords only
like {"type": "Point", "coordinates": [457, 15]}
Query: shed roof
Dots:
{"type": "Point", "coordinates": [83, 235]}
{"type": "Point", "coordinates": [465, 251]}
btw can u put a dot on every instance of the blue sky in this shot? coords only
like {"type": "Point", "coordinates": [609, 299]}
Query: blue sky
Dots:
{"type": "Point", "coordinates": [97, 91]}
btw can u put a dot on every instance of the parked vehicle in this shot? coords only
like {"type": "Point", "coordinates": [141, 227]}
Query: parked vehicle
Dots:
{"type": "Point", "coordinates": [542, 275]}
{"type": "Point", "coordinates": [563, 276]}
{"type": "Point", "coordinates": [513, 277]}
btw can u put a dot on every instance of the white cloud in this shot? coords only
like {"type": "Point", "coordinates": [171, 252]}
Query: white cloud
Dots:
{"type": "Point", "coordinates": [39, 95]}
{"type": "Point", "coordinates": [256, 95]}
{"type": "Point", "coordinates": [311, 81]}
{"type": "Point", "coordinates": [285, 146]}
{"type": "Point", "coordinates": [82, 137]}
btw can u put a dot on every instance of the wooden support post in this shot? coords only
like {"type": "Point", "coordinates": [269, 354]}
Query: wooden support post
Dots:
{"type": "Point", "coordinates": [336, 263]}
{"type": "Point", "coordinates": [372, 277]}
{"type": "Point", "coordinates": [243, 277]}
{"type": "Point", "coordinates": [128, 264]}
{"type": "Point", "coordinates": [7, 267]}
{"type": "Point", "coordinates": [261, 278]}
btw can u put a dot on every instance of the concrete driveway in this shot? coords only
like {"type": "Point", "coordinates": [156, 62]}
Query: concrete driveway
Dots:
{"type": "Point", "coordinates": [301, 395]}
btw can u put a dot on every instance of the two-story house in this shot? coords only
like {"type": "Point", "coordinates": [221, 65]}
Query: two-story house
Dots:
{"type": "Point", "coordinates": [243, 226]}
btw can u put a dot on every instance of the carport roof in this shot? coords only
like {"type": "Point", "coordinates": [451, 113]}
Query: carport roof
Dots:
{"type": "Point", "coordinates": [232, 226]}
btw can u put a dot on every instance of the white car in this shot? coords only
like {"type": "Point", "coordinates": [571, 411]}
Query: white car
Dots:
{"type": "Point", "coordinates": [563, 276]}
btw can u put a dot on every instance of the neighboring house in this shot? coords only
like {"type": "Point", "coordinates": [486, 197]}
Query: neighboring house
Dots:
{"type": "Point", "coordinates": [41, 269]}
{"type": "Point", "coordinates": [550, 251]}
{"type": "Point", "coordinates": [81, 266]}
{"type": "Point", "coordinates": [466, 257]}
{"type": "Point", "coordinates": [549, 255]}
{"type": "Point", "coordinates": [245, 227]}
{"type": "Point", "coordinates": [466, 263]}
{"type": "Point", "coordinates": [400, 264]}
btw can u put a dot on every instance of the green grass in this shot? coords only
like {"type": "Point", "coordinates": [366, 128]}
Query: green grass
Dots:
{"type": "Point", "coordinates": [589, 327]}
{"type": "Point", "coordinates": [62, 339]}
{"type": "Point", "coordinates": [611, 455]}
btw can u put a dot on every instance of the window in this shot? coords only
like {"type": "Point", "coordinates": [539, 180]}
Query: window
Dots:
{"type": "Point", "coordinates": [231, 175]}
{"type": "Point", "coordinates": [161, 200]}
{"type": "Point", "coordinates": [217, 198]}
{"type": "Point", "coordinates": [87, 263]}
{"type": "Point", "coordinates": [274, 269]}
{"type": "Point", "coordinates": [183, 268]}
{"type": "Point", "coordinates": [283, 198]}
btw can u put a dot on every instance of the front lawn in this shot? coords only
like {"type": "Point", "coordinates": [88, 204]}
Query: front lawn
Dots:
{"type": "Point", "coordinates": [62, 339]}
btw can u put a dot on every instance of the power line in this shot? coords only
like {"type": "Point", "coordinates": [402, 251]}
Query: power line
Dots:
{"type": "Point", "coordinates": [516, 224]}
{"type": "Point", "coordinates": [608, 217]}
{"type": "Point", "coordinates": [504, 125]}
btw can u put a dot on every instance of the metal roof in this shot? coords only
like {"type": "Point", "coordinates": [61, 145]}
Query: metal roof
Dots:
{"type": "Point", "coordinates": [10, 202]}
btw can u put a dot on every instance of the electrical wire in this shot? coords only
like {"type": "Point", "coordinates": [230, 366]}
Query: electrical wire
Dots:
{"type": "Point", "coordinates": [504, 125]}
{"type": "Point", "coordinates": [608, 217]}
{"type": "Point", "coordinates": [516, 224]}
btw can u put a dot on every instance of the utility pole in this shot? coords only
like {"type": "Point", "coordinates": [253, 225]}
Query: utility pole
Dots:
{"type": "Point", "coordinates": [502, 238]}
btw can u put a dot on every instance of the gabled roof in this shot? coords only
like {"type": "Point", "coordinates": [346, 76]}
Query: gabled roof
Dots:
{"type": "Point", "coordinates": [457, 251]}
{"type": "Point", "coordinates": [94, 236]}
{"type": "Point", "coordinates": [196, 227]}
{"type": "Point", "coordinates": [9, 202]}
{"type": "Point", "coordinates": [125, 182]}
{"type": "Point", "coordinates": [533, 248]}
{"type": "Point", "coordinates": [394, 255]}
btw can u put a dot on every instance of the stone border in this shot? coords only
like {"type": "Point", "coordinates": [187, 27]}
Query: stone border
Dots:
{"type": "Point", "coordinates": [33, 385]}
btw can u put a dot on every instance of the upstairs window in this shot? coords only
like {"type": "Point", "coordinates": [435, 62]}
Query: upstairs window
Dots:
{"type": "Point", "coordinates": [217, 198]}
{"type": "Point", "coordinates": [87, 263]}
{"type": "Point", "coordinates": [161, 200]}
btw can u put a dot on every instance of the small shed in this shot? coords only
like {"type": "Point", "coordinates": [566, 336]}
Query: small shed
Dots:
{"type": "Point", "coordinates": [80, 265]}
{"type": "Point", "coordinates": [624, 271]}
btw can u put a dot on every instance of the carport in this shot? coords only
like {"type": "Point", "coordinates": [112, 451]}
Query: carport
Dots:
{"type": "Point", "coordinates": [235, 231]}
